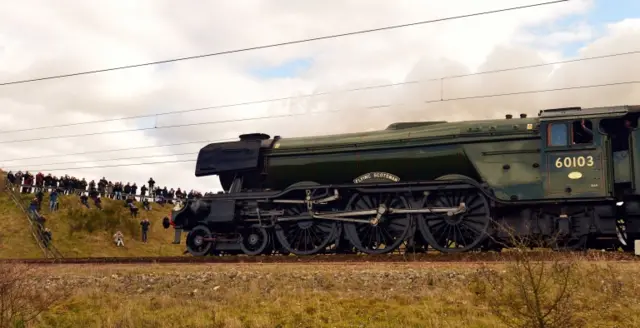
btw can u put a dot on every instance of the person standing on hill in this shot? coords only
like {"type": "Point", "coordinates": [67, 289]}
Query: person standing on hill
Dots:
{"type": "Point", "coordinates": [145, 228]}
{"type": "Point", "coordinates": [53, 199]}
{"type": "Point", "coordinates": [143, 191]}
{"type": "Point", "coordinates": [39, 196]}
{"type": "Point", "coordinates": [151, 184]}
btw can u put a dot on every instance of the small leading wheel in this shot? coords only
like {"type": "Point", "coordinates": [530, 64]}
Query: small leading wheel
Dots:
{"type": "Point", "coordinates": [199, 241]}
{"type": "Point", "coordinates": [459, 232]}
{"type": "Point", "coordinates": [254, 240]}
{"type": "Point", "coordinates": [389, 232]}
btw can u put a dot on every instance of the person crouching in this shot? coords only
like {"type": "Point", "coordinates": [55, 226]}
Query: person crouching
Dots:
{"type": "Point", "coordinates": [118, 238]}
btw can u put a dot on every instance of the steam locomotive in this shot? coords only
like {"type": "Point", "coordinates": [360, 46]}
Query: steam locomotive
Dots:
{"type": "Point", "coordinates": [570, 176]}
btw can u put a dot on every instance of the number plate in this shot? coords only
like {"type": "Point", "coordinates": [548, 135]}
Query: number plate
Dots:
{"type": "Point", "coordinates": [580, 172]}
{"type": "Point", "coordinates": [574, 161]}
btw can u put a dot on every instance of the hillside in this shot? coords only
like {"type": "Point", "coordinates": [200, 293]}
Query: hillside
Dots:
{"type": "Point", "coordinates": [81, 232]}
{"type": "Point", "coordinates": [16, 240]}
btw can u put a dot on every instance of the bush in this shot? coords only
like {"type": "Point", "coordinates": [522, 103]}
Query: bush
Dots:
{"type": "Point", "coordinates": [113, 217]}
{"type": "Point", "coordinates": [530, 292]}
{"type": "Point", "coordinates": [23, 297]}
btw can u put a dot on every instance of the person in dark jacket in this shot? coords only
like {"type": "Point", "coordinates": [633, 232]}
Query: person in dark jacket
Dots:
{"type": "Point", "coordinates": [46, 237]}
{"type": "Point", "coordinates": [11, 177]}
{"type": "Point", "coordinates": [145, 204]}
{"type": "Point", "coordinates": [33, 206]}
{"type": "Point", "coordinates": [39, 196]}
{"type": "Point", "coordinates": [84, 199]}
{"type": "Point", "coordinates": [133, 209]}
{"type": "Point", "coordinates": [98, 202]}
{"type": "Point", "coordinates": [151, 185]}
{"type": "Point", "coordinates": [144, 224]}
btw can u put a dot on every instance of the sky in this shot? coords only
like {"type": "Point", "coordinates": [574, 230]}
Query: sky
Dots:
{"type": "Point", "coordinates": [41, 38]}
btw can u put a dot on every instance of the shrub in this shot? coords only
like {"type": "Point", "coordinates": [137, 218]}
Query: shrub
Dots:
{"type": "Point", "coordinates": [23, 297]}
{"type": "Point", "coordinates": [113, 217]}
{"type": "Point", "coordinates": [530, 292]}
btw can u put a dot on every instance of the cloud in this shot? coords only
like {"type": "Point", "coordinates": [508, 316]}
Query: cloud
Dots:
{"type": "Point", "coordinates": [77, 37]}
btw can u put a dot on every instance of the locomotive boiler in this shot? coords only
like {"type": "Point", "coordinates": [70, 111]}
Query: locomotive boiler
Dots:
{"type": "Point", "coordinates": [569, 175]}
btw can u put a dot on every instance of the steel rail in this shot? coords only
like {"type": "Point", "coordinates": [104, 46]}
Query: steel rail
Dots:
{"type": "Point", "coordinates": [342, 258]}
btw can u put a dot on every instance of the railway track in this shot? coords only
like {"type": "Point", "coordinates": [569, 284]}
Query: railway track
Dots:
{"type": "Point", "coordinates": [342, 258]}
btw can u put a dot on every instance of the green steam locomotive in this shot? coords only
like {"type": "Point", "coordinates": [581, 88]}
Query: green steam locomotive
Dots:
{"type": "Point", "coordinates": [570, 176]}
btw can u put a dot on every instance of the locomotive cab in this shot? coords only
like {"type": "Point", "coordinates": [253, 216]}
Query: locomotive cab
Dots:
{"type": "Point", "coordinates": [591, 152]}
{"type": "Point", "coordinates": [574, 157]}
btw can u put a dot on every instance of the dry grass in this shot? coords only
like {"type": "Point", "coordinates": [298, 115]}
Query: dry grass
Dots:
{"type": "Point", "coordinates": [81, 232]}
{"type": "Point", "coordinates": [329, 295]}
{"type": "Point", "coordinates": [16, 240]}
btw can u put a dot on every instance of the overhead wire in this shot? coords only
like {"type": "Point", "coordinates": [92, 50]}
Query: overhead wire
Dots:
{"type": "Point", "coordinates": [110, 159]}
{"type": "Point", "coordinates": [310, 113]}
{"type": "Point", "coordinates": [118, 149]}
{"type": "Point", "coordinates": [281, 44]}
{"type": "Point", "coordinates": [383, 106]}
{"type": "Point", "coordinates": [286, 98]}
{"type": "Point", "coordinates": [112, 166]}
{"type": "Point", "coordinates": [310, 95]}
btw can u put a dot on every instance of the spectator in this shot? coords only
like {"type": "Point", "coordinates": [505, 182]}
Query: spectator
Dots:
{"type": "Point", "coordinates": [118, 238]}
{"type": "Point", "coordinates": [98, 202]}
{"type": "Point", "coordinates": [39, 196]}
{"type": "Point", "coordinates": [102, 187]}
{"type": "Point", "coordinates": [84, 199]}
{"type": "Point", "coordinates": [145, 204]}
{"type": "Point", "coordinates": [40, 219]}
{"type": "Point", "coordinates": [33, 207]}
{"type": "Point", "coordinates": [134, 190]}
{"type": "Point", "coordinates": [143, 191]}
{"type": "Point", "coordinates": [134, 210]}
{"type": "Point", "coordinates": [145, 228]}
{"type": "Point", "coordinates": [28, 182]}
{"type": "Point", "coordinates": [11, 177]}
{"type": "Point", "coordinates": [39, 181]}
{"type": "Point", "coordinates": [127, 189]}
{"type": "Point", "coordinates": [53, 200]}
{"type": "Point", "coordinates": [117, 189]}
{"type": "Point", "coordinates": [46, 237]}
{"type": "Point", "coordinates": [110, 190]}
{"type": "Point", "coordinates": [151, 185]}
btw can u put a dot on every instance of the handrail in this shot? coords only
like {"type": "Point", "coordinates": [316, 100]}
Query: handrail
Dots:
{"type": "Point", "coordinates": [34, 187]}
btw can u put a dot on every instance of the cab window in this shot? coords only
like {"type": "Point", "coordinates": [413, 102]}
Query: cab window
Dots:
{"type": "Point", "coordinates": [557, 135]}
{"type": "Point", "coordinates": [582, 132]}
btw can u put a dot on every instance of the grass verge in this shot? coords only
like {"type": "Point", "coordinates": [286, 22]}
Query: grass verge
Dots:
{"type": "Point", "coordinates": [328, 295]}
